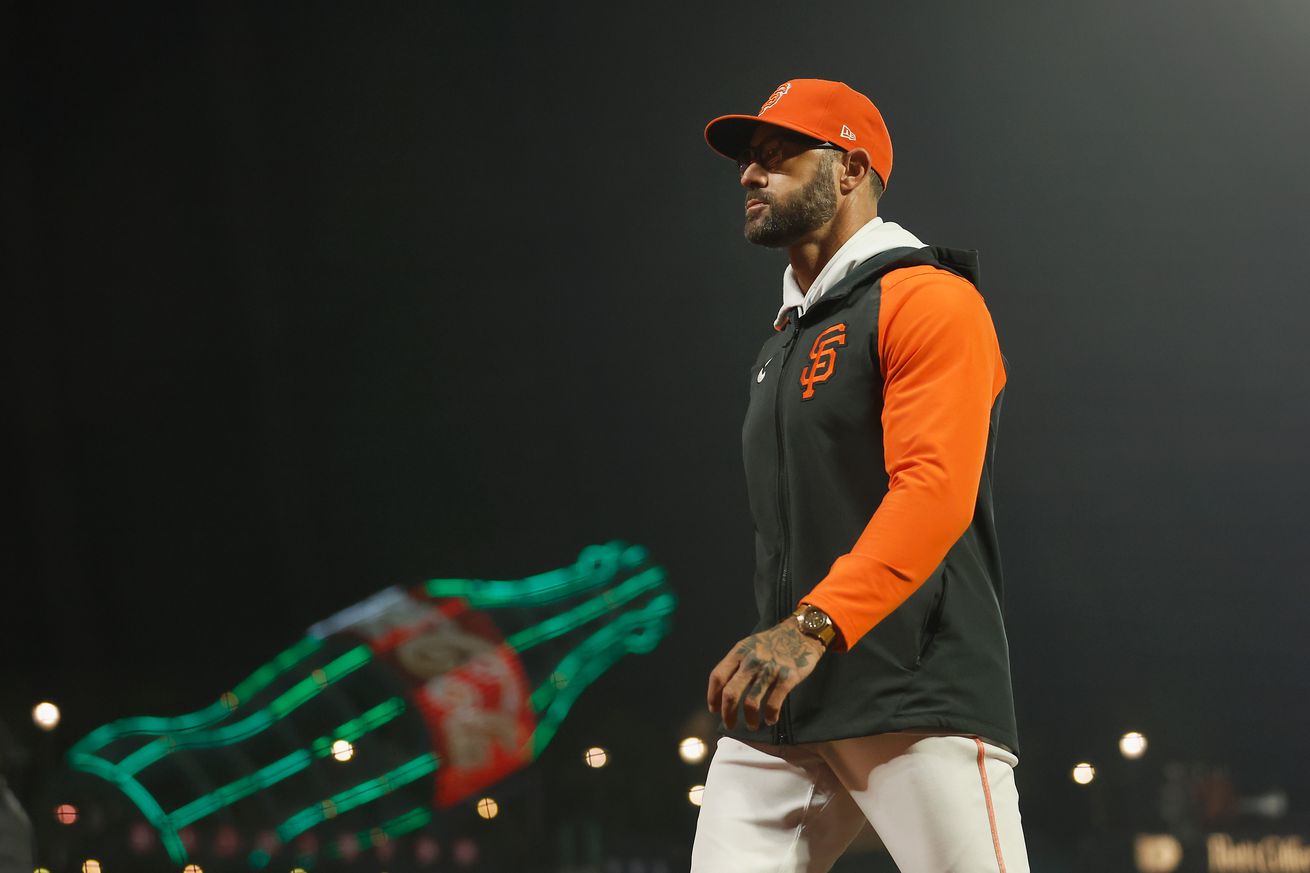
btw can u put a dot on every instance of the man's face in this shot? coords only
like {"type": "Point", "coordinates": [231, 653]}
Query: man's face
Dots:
{"type": "Point", "coordinates": [790, 191]}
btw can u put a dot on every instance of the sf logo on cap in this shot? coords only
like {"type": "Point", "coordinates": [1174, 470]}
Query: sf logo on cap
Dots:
{"type": "Point", "coordinates": [775, 97]}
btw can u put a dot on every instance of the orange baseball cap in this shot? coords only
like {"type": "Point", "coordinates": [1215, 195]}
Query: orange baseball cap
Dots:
{"type": "Point", "coordinates": [830, 111]}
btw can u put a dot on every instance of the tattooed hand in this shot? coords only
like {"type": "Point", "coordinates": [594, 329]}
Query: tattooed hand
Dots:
{"type": "Point", "coordinates": [760, 672]}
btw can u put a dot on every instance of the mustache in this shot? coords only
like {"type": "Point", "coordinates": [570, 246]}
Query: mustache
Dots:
{"type": "Point", "coordinates": [758, 194]}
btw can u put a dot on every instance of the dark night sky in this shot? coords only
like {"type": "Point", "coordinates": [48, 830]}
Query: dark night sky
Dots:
{"type": "Point", "coordinates": [306, 301]}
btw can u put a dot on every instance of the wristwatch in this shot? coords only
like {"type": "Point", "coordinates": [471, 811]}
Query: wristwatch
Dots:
{"type": "Point", "coordinates": [814, 622]}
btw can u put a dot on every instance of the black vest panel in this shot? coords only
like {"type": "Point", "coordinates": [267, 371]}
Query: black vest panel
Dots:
{"type": "Point", "coordinates": [813, 451]}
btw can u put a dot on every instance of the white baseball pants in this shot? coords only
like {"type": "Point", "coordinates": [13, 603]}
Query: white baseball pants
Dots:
{"type": "Point", "coordinates": [940, 803]}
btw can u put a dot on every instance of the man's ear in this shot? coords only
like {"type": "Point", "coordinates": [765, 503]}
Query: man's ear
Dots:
{"type": "Point", "coordinates": [856, 169]}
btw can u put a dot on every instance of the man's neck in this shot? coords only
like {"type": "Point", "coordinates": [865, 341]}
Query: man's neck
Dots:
{"type": "Point", "coordinates": [810, 255]}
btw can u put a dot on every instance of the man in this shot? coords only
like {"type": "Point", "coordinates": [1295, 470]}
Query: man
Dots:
{"type": "Point", "coordinates": [876, 685]}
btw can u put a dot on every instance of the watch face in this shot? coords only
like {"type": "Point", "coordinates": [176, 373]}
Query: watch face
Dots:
{"type": "Point", "coordinates": [814, 620]}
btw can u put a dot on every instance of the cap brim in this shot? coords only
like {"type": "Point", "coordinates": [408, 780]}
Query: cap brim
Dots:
{"type": "Point", "coordinates": [730, 134]}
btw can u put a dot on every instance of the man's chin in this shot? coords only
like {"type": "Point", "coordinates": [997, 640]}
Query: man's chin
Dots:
{"type": "Point", "coordinates": [769, 243]}
{"type": "Point", "coordinates": [765, 236]}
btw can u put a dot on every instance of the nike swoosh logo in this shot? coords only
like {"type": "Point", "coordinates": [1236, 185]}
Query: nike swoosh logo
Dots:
{"type": "Point", "coordinates": [760, 377]}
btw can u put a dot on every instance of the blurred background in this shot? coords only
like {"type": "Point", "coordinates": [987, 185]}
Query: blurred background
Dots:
{"type": "Point", "coordinates": [303, 301]}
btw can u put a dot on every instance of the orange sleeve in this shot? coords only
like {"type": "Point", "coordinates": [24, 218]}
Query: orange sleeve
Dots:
{"type": "Point", "coordinates": [942, 370]}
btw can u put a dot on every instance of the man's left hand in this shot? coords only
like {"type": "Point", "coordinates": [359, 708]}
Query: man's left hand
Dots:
{"type": "Point", "coordinates": [760, 672]}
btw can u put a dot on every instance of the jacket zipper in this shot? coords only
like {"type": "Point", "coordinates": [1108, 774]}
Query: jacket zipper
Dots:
{"type": "Point", "coordinates": [782, 730]}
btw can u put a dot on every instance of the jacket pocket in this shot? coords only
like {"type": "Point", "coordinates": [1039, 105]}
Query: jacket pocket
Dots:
{"type": "Point", "coordinates": [931, 622]}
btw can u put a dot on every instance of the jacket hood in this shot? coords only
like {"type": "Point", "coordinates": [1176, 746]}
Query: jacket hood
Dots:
{"type": "Point", "coordinates": [874, 238]}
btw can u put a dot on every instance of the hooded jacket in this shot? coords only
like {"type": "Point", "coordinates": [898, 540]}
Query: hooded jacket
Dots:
{"type": "Point", "coordinates": [868, 446]}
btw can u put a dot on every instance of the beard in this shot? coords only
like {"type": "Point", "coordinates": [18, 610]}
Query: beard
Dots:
{"type": "Point", "coordinates": [788, 219]}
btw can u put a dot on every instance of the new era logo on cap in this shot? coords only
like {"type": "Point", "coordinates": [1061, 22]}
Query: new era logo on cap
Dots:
{"type": "Point", "coordinates": [847, 133]}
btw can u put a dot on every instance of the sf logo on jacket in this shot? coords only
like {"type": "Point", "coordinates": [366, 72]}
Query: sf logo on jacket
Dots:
{"type": "Point", "coordinates": [823, 358]}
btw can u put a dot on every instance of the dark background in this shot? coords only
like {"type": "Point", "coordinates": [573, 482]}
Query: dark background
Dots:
{"type": "Point", "coordinates": [305, 300]}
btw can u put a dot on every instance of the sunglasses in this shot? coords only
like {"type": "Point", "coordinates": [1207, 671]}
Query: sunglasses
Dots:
{"type": "Point", "coordinates": [773, 151]}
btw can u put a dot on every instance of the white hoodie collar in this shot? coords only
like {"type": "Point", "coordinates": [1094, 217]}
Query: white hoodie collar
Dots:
{"type": "Point", "coordinates": [871, 239]}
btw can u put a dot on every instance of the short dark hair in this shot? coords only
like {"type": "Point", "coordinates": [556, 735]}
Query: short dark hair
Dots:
{"type": "Point", "coordinates": [875, 181]}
